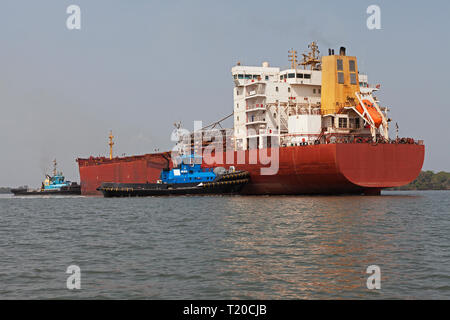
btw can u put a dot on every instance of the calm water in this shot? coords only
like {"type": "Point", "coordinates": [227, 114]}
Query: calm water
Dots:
{"type": "Point", "coordinates": [226, 247]}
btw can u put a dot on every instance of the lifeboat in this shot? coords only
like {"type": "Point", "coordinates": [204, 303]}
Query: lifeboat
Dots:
{"type": "Point", "coordinates": [373, 112]}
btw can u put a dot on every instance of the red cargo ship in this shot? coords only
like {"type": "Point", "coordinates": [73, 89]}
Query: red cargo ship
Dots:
{"type": "Point", "coordinates": [320, 118]}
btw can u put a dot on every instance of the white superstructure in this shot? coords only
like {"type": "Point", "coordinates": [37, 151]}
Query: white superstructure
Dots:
{"type": "Point", "coordinates": [285, 104]}
{"type": "Point", "coordinates": [262, 96]}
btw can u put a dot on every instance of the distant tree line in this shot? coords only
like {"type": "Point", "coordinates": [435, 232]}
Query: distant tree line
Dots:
{"type": "Point", "coordinates": [428, 180]}
{"type": "Point", "coordinates": [8, 189]}
{"type": "Point", "coordinates": [5, 190]}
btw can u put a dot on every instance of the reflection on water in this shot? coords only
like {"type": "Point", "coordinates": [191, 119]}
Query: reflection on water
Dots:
{"type": "Point", "coordinates": [227, 247]}
{"type": "Point", "coordinates": [302, 248]}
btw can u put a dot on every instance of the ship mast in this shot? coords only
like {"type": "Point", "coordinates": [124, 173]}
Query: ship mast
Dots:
{"type": "Point", "coordinates": [293, 58]}
{"type": "Point", "coordinates": [111, 143]}
{"type": "Point", "coordinates": [312, 58]}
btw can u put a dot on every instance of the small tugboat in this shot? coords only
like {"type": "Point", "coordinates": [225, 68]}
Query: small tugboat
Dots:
{"type": "Point", "coordinates": [186, 178]}
{"type": "Point", "coordinates": [52, 185]}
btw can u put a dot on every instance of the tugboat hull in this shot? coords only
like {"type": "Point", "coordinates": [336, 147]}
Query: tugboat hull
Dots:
{"type": "Point", "coordinates": [227, 184]}
{"type": "Point", "coordinates": [70, 190]}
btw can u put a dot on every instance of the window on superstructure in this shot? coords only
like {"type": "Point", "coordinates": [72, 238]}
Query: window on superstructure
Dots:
{"type": "Point", "coordinates": [267, 77]}
{"type": "Point", "coordinates": [237, 91]}
{"type": "Point", "coordinates": [314, 90]}
{"type": "Point", "coordinates": [284, 76]}
{"type": "Point", "coordinates": [291, 75]}
{"type": "Point", "coordinates": [237, 118]}
{"type": "Point", "coordinates": [300, 75]}
{"type": "Point", "coordinates": [357, 124]}
{"type": "Point", "coordinates": [341, 77]}
{"type": "Point", "coordinates": [241, 76]}
{"type": "Point", "coordinates": [320, 90]}
{"type": "Point", "coordinates": [353, 78]}
{"type": "Point", "coordinates": [352, 65]}
{"type": "Point", "coordinates": [237, 105]}
{"type": "Point", "coordinates": [307, 76]}
{"type": "Point", "coordinates": [248, 76]}
{"type": "Point", "coordinates": [281, 77]}
{"type": "Point", "coordinates": [289, 89]}
{"type": "Point", "coordinates": [235, 76]}
{"type": "Point", "coordinates": [255, 76]}
{"type": "Point", "coordinates": [340, 65]}
{"type": "Point", "coordinates": [276, 89]}
{"type": "Point", "coordinates": [342, 122]}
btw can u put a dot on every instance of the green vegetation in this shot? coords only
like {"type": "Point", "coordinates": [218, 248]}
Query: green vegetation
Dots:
{"type": "Point", "coordinates": [8, 189]}
{"type": "Point", "coordinates": [428, 180]}
{"type": "Point", "coordinates": [5, 190]}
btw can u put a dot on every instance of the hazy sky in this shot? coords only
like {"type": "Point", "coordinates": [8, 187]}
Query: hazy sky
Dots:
{"type": "Point", "coordinates": [138, 66]}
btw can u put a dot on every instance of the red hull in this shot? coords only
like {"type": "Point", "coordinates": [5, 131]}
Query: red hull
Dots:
{"type": "Point", "coordinates": [316, 169]}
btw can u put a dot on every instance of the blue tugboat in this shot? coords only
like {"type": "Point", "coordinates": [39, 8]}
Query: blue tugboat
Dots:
{"type": "Point", "coordinates": [188, 177]}
{"type": "Point", "coordinates": [52, 185]}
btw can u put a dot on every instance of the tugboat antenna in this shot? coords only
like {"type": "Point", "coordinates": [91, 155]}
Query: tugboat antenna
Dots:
{"type": "Point", "coordinates": [111, 143]}
{"type": "Point", "coordinates": [54, 167]}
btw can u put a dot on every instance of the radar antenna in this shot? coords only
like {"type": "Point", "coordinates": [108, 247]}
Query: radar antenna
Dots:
{"type": "Point", "coordinates": [312, 58]}
{"type": "Point", "coordinates": [177, 125]}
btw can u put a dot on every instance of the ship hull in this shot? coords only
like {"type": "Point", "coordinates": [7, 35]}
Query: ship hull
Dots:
{"type": "Point", "coordinates": [72, 190]}
{"type": "Point", "coordinates": [353, 168]}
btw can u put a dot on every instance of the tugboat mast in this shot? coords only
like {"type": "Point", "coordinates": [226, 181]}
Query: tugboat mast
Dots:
{"type": "Point", "coordinates": [54, 167]}
{"type": "Point", "coordinates": [111, 143]}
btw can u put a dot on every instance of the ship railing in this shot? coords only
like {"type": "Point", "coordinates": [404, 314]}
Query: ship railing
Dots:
{"type": "Point", "coordinates": [298, 139]}
{"type": "Point", "coordinates": [251, 82]}
{"type": "Point", "coordinates": [337, 138]}
{"type": "Point", "coordinates": [254, 93]}
{"type": "Point", "coordinates": [304, 110]}
{"type": "Point", "coordinates": [267, 132]}
{"type": "Point", "coordinates": [406, 141]}
{"type": "Point", "coordinates": [255, 119]}
{"type": "Point", "coordinates": [256, 106]}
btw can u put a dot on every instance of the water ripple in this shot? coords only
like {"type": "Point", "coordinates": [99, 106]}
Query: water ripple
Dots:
{"type": "Point", "coordinates": [226, 247]}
